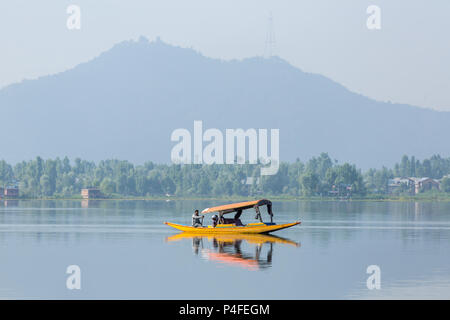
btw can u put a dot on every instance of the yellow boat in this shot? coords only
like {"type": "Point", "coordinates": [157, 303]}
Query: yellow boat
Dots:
{"type": "Point", "coordinates": [235, 225]}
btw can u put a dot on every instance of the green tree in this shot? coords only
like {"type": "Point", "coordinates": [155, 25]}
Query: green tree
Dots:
{"type": "Point", "coordinates": [6, 173]}
{"type": "Point", "coordinates": [46, 185]}
{"type": "Point", "coordinates": [445, 184]}
{"type": "Point", "coordinates": [107, 186]}
{"type": "Point", "coordinates": [204, 185]}
{"type": "Point", "coordinates": [309, 182]}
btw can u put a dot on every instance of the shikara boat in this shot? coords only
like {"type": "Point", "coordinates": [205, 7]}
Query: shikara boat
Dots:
{"type": "Point", "coordinates": [235, 225]}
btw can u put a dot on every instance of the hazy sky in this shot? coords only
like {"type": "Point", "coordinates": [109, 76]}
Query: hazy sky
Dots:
{"type": "Point", "coordinates": [407, 61]}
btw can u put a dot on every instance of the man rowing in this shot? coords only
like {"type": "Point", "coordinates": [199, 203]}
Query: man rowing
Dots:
{"type": "Point", "coordinates": [197, 220]}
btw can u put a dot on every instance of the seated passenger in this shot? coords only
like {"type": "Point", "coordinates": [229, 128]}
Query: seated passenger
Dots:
{"type": "Point", "coordinates": [215, 220]}
{"type": "Point", "coordinates": [237, 220]}
{"type": "Point", "coordinates": [228, 221]}
{"type": "Point", "coordinates": [197, 221]}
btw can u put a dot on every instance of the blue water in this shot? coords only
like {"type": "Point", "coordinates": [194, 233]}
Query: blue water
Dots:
{"type": "Point", "coordinates": [124, 251]}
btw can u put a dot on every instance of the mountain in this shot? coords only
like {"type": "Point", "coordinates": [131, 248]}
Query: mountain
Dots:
{"type": "Point", "coordinates": [126, 102]}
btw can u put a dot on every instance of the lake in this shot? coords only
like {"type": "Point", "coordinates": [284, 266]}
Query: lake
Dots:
{"type": "Point", "coordinates": [124, 251]}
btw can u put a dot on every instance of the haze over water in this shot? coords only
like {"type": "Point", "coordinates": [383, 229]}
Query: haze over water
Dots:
{"type": "Point", "coordinates": [125, 251]}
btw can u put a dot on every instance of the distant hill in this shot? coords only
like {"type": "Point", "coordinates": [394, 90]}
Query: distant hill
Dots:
{"type": "Point", "coordinates": [126, 102]}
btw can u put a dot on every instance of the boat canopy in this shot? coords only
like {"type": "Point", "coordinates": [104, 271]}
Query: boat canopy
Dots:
{"type": "Point", "coordinates": [235, 207]}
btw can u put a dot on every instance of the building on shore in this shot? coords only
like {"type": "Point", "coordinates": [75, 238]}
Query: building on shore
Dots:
{"type": "Point", "coordinates": [398, 185]}
{"type": "Point", "coordinates": [412, 185]}
{"type": "Point", "coordinates": [91, 193]}
{"type": "Point", "coordinates": [425, 184]}
{"type": "Point", "coordinates": [341, 190]}
{"type": "Point", "coordinates": [11, 192]}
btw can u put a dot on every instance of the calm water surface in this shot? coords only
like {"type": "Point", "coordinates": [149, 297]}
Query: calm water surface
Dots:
{"type": "Point", "coordinates": [126, 252]}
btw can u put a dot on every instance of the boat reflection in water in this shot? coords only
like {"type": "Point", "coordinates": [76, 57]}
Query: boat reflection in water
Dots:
{"type": "Point", "coordinates": [228, 248]}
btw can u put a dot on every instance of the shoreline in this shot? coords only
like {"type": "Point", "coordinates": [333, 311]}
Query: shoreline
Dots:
{"type": "Point", "coordinates": [424, 198]}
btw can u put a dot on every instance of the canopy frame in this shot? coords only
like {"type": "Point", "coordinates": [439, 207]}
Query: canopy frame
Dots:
{"type": "Point", "coordinates": [241, 206]}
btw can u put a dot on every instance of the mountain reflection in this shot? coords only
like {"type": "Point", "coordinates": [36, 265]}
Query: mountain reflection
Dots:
{"type": "Point", "coordinates": [249, 251]}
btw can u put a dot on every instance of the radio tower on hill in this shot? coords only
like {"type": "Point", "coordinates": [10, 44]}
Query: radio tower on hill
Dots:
{"type": "Point", "coordinates": [269, 50]}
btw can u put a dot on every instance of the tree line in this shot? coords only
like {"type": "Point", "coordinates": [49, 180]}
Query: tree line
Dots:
{"type": "Point", "coordinates": [319, 176]}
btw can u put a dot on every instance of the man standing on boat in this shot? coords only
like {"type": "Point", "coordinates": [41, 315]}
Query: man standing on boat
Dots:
{"type": "Point", "coordinates": [197, 221]}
